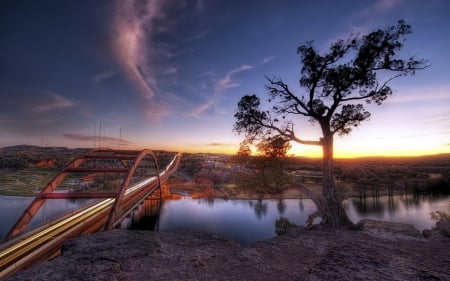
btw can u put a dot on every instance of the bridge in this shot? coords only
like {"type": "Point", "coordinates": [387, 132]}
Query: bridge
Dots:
{"type": "Point", "coordinates": [141, 179]}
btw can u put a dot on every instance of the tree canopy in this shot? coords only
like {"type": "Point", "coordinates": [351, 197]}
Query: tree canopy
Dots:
{"type": "Point", "coordinates": [335, 85]}
{"type": "Point", "coordinates": [276, 146]}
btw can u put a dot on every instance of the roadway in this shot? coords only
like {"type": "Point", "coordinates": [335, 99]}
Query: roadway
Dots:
{"type": "Point", "coordinates": [41, 244]}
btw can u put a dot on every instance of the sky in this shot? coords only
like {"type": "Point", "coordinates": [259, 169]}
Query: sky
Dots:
{"type": "Point", "coordinates": [167, 74]}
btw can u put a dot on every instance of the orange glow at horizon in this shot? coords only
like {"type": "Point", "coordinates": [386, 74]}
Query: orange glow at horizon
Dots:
{"type": "Point", "coordinates": [354, 148]}
{"type": "Point", "coordinates": [346, 147]}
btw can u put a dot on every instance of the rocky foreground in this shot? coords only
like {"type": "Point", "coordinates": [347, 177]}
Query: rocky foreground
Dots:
{"type": "Point", "coordinates": [382, 251]}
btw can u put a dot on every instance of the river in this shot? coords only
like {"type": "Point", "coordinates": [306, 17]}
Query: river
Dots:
{"type": "Point", "coordinates": [245, 221]}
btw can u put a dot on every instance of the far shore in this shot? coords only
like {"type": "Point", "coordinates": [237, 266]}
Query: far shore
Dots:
{"type": "Point", "coordinates": [195, 192]}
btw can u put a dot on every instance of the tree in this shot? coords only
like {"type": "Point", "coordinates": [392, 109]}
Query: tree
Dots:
{"type": "Point", "coordinates": [275, 146]}
{"type": "Point", "coordinates": [263, 174]}
{"type": "Point", "coordinates": [335, 84]}
{"type": "Point", "coordinates": [244, 150]}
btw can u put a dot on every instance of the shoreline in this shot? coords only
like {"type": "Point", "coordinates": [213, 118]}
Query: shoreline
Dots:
{"type": "Point", "coordinates": [381, 251]}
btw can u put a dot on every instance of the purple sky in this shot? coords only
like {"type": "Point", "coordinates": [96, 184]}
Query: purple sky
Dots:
{"type": "Point", "coordinates": [168, 74]}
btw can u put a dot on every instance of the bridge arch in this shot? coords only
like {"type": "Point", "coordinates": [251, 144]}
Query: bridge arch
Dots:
{"type": "Point", "coordinates": [126, 182]}
{"type": "Point", "coordinates": [74, 166]}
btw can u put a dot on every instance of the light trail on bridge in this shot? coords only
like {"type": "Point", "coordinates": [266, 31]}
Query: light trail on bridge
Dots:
{"type": "Point", "coordinates": [57, 228]}
{"type": "Point", "coordinates": [33, 247]}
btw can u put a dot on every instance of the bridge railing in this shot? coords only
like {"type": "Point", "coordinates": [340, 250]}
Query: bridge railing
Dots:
{"type": "Point", "coordinates": [130, 161]}
{"type": "Point", "coordinates": [39, 244]}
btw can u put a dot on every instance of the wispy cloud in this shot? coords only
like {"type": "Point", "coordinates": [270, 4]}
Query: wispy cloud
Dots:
{"type": "Point", "coordinates": [385, 6]}
{"type": "Point", "coordinates": [100, 139]}
{"type": "Point", "coordinates": [422, 95]}
{"type": "Point", "coordinates": [373, 12]}
{"type": "Point", "coordinates": [198, 36]}
{"type": "Point", "coordinates": [103, 76]}
{"type": "Point", "coordinates": [199, 110]}
{"type": "Point", "coordinates": [170, 70]}
{"type": "Point", "coordinates": [145, 58]}
{"type": "Point", "coordinates": [366, 19]}
{"type": "Point", "coordinates": [219, 86]}
{"type": "Point", "coordinates": [380, 7]}
{"type": "Point", "coordinates": [268, 59]}
{"type": "Point", "coordinates": [227, 81]}
{"type": "Point", "coordinates": [213, 144]}
{"type": "Point", "coordinates": [224, 83]}
{"type": "Point", "coordinates": [219, 144]}
{"type": "Point", "coordinates": [55, 101]}
{"type": "Point", "coordinates": [133, 29]}
{"type": "Point", "coordinates": [158, 111]}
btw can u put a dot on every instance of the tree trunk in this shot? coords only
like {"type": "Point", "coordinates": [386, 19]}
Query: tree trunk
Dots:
{"type": "Point", "coordinates": [330, 208]}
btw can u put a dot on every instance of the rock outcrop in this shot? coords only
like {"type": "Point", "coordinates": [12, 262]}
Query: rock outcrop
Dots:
{"type": "Point", "coordinates": [382, 251]}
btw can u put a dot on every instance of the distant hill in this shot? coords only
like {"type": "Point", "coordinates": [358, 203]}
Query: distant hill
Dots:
{"type": "Point", "coordinates": [22, 156]}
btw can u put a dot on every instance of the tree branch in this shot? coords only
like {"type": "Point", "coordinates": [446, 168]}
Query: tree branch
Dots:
{"type": "Point", "coordinates": [289, 133]}
{"type": "Point", "coordinates": [309, 193]}
{"type": "Point", "coordinates": [274, 91]}
{"type": "Point", "coordinates": [373, 92]}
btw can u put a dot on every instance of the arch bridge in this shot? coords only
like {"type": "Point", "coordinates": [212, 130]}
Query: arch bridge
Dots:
{"type": "Point", "coordinates": [140, 178]}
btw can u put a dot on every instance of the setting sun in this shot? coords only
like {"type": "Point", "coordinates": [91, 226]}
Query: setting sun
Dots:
{"type": "Point", "coordinates": [174, 92]}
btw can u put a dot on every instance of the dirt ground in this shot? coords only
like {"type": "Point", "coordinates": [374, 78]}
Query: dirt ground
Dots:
{"type": "Point", "coordinates": [381, 251]}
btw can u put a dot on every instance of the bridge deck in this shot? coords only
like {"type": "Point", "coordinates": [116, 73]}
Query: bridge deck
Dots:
{"type": "Point", "coordinates": [21, 251]}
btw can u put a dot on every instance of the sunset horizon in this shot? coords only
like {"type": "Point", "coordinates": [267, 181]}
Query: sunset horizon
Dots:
{"type": "Point", "coordinates": [167, 75]}
{"type": "Point", "coordinates": [314, 153]}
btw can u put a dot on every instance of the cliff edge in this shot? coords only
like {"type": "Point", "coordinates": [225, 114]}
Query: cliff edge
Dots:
{"type": "Point", "coordinates": [381, 251]}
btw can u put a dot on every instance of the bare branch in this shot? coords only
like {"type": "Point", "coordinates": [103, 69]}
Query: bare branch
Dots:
{"type": "Point", "coordinates": [281, 90]}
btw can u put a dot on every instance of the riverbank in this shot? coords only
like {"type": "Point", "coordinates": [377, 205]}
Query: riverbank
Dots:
{"type": "Point", "coordinates": [196, 191]}
{"type": "Point", "coordinates": [381, 251]}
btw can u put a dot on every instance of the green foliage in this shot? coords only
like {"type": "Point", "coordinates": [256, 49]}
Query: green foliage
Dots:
{"type": "Point", "coordinates": [190, 164]}
{"type": "Point", "coordinates": [440, 216]}
{"type": "Point", "coordinates": [282, 225]}
{"type": "Point", "coordinates": [250, 119]}
{"type": "Point", "coordinates": [263, 175]}
{"type": "Point", "coordinates": [276, 146]}
{"type": "Point", "coordinates": [334, 85]}
{"type": "Point", "coordinates": [244, 150]}
{"type": "Point", "coordinates": [13, 163]}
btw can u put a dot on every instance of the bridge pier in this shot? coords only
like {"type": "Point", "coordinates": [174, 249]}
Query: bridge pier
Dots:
{"type": "Point", "coordinates": [165, 189]}
{"type": "Point", "coordinates": [148, 208]}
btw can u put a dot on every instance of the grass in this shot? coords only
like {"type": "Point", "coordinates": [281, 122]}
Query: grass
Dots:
{"type": "Point", "coordinates": [26, 182]}
{"type": "Point", "coordinates": [29, 182]}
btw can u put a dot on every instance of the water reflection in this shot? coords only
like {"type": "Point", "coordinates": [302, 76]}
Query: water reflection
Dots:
{"type": "Point", "coordinates": [281, 206]}
{"type": "Point", "coordinates": [245, 221]}
{"type": "Point", "coordinates": [12, 207]}
{"type": "Point", "coordinates": [146, 217]}
{"type": "Point", "coordinates": [391, 205]}
{"type": "Point", "coordinates": [409, 209]}
{"type": "Point", "coordinates": [260, 208]}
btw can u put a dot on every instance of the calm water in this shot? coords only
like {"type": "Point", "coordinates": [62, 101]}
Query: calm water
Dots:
{"type": "Point", "coordinates": [247, 221]}
{"type": "Point", "coordinates": [404, 209]}
{"type": "Point", "coordinates": [244, 221]}
{"type": "Point", "coordinates": [11, 208]}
